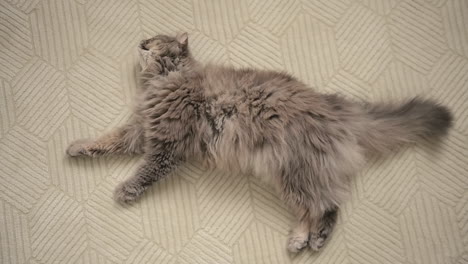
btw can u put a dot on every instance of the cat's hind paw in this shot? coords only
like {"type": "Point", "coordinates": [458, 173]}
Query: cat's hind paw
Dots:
{"type": "Point", "coordinates": [296, 243]}
{"type": "Point", "coordinates": [317, 241]}
{"type": "Point", "coordinates": [127, 193]}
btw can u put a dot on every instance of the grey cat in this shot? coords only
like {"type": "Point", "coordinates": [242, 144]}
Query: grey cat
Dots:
{"type": "Point", "coordinates": [307, 144]}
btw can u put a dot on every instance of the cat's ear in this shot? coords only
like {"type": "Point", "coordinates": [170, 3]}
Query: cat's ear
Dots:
{"type": "Point", "coordinates": [182, 38]}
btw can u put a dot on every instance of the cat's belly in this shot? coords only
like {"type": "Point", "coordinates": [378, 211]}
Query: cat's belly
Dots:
{"type": "Point", "coordinates": [260, 162]}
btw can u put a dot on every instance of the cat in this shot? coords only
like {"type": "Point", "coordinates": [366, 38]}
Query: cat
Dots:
{"type": "Point", "coordinates": [307, 144]}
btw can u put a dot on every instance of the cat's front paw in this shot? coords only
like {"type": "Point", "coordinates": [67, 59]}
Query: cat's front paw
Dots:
{"type": "Point", "coordinates": [127, 193]}
{"type": "Point", "coordinates": [79, 148]}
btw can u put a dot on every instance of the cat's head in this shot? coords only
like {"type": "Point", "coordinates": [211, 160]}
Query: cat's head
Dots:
{"type": "Point", "coordinates": [167, 46]}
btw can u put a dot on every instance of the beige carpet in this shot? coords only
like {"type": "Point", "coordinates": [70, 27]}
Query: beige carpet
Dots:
{"type": "Point", "coordinates": [68, 70]}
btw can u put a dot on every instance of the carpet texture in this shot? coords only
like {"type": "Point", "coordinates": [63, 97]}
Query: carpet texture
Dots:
{"type": "Point", "coordinates": [68, 70]}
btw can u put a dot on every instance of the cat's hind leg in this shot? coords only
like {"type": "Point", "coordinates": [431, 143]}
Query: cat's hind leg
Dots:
{"type": "Point", "coordinates": [299, 236]}
{"type": "Point", "coordinates": [310, 230]}
{"type": "Point", "coordinates": [315, 224]}
{"type": "Point", "coordinates": [322, 229]}
{"type": "Point", "coordinates": [124, 140]}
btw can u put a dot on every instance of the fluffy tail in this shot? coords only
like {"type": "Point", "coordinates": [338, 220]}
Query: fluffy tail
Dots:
{"type": "Point", "coordinates": [393, 125]}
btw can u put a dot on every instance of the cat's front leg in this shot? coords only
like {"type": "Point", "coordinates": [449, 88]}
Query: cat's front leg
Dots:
{"type": "Point", "coordinates": [124, 140]}
{"type": "Point", "coordinates": [154, 168]}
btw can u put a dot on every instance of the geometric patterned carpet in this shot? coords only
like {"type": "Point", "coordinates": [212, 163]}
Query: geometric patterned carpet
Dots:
{"type": "Point", "coordinates": [68, 70]}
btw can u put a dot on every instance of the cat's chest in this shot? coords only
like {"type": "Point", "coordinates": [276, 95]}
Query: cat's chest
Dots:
{"type": "Point", "coordinates": [218, 112]}
{"type": "Point", "coordinates": [155, 106]}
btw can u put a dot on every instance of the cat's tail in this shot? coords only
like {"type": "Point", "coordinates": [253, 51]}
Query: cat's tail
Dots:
{"type": "Point", "coordinates": [391, 125]}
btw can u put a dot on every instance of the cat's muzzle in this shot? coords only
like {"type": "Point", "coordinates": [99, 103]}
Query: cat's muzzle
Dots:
{"type": "Point", "coordinates": [144, 54]}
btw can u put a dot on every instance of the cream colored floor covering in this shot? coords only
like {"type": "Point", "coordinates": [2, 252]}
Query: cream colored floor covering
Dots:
{"type": "Point", "coordinates": [68, 70]}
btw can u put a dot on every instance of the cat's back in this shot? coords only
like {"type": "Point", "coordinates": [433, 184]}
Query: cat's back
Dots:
{"type": "Point", "coordinates": [257, 94]}
{"type": "Point", "coordinates": [222, 80]}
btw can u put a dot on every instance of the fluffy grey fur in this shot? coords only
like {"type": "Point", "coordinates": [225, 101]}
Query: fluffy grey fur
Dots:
{"type": "Point", "coordinates": [267, 123]}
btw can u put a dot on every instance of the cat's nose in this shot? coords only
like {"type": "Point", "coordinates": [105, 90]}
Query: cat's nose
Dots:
{"type": "Point", "coordinates": [143, 44]}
